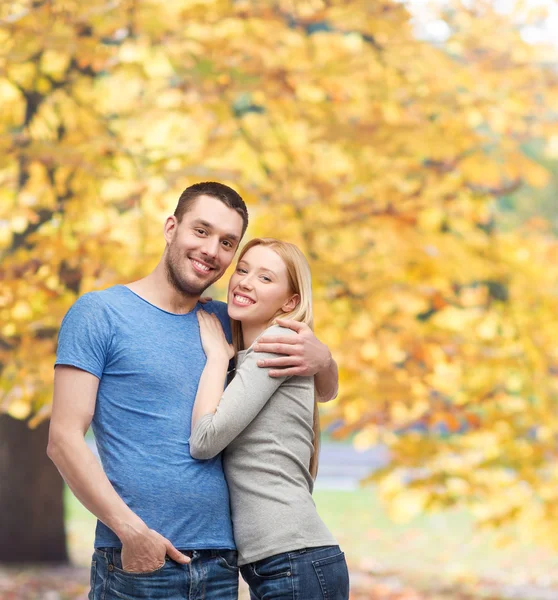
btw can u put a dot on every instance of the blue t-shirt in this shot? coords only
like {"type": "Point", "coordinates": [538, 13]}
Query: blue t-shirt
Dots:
{"type": "Point", "coordinates": [149, 364]}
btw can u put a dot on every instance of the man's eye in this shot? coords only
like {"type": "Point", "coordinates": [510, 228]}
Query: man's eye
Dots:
{"type": "Point", "coordinates": [228, 244]}
{"type": "Point", "coordinates": [200, 231]}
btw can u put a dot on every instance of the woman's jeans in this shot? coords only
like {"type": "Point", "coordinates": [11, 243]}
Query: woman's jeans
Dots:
{"type": "Point", "coordinates": [307, 574]}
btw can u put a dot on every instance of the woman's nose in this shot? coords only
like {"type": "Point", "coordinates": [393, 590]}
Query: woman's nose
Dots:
{"type": "Point", "coordinates": [245, 283]}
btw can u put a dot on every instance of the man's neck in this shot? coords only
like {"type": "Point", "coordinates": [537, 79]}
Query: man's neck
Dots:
{"type": "Point", "coordinates": [157, 290]}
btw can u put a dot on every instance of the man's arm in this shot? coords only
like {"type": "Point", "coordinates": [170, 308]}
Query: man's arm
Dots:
{"type": "Point", "coordinates": [303, 354]}
{"type": "Point", "coordinates": [75, 393]}
{"type": "Point", "coordinates": [327, 382]}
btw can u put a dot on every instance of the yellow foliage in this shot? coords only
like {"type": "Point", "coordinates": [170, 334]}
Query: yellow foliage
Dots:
{"type": "Point", "coordinates": [380, 154]}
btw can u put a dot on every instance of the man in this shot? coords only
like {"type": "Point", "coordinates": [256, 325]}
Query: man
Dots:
{"type": "Point", "coordinates": [129, 361]}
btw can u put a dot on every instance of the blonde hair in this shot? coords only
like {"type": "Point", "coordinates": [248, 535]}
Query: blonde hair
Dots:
{"type": "Point", "coordinates": [300, 283]}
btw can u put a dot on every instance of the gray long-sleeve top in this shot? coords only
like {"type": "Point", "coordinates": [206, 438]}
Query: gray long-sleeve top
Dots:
{"type": "Point", "coordinates": [265, 426]}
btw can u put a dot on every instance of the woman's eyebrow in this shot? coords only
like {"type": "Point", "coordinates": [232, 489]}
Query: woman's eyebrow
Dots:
{"type": "Point", "coordinates": [246, 263]}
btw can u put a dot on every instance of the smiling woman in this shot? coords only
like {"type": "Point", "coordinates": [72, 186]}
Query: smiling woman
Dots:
{"type": "Point", "coordinates": [269, 429]}
{"type": "Point", "coordinates": [259, 290]}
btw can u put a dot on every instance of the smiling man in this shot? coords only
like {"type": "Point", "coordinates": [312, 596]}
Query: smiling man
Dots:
{"type": "Point", "coordinates": [128, 363]}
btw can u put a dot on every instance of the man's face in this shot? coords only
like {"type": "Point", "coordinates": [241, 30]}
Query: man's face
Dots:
{"type": "Point", "coordinates": [202, 245]}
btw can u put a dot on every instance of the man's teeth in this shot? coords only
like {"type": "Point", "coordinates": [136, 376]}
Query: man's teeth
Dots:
{"type": "Point", "coordinates": [200, 266]}
{"type": "Point", "coordinates": [243, 300]}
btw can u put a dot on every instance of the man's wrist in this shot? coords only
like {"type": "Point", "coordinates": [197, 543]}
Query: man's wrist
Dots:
{"type": "Point", "coordinates": [327, 363]}
{"type": "Point", "coordinates": [129, 530]}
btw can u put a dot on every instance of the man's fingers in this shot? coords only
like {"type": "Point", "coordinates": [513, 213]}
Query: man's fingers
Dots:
{"type": "Point", "coordinates": [288, 349]}
{"type": "Point", "coordinates": [280, 361]}
{"type": "Point", "coordinates": [293, 371]}
{"type": "Point", "coordinates": [276, 339]}
{"type": "Point", "coordinates": [175, 555]}
{"type": "Point", "coordinates": [294, 325]}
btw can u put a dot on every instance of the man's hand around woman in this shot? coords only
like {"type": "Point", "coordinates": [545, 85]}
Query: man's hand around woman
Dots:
{"type": "Point", "coordinates": [303, 353]}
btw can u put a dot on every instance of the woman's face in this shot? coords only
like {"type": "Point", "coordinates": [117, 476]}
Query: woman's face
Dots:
{"type": "Point", "coordinates": [259, 287]}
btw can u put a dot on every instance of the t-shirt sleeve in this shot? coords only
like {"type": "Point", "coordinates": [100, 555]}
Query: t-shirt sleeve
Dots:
{"type": "Point", "coordinates": [84, 337]}
{"type": "Point", "coordinates": [240, 403]}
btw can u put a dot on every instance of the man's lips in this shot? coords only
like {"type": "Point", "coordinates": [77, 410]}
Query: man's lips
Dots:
{"type": "Point", "coordinates": [201, 267]}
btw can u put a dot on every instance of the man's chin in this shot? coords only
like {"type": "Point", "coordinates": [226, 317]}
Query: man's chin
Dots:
{"type": "Point", "coordinates": [188, 287]}
{"type": "Point", "coordinates": [194, 286]}
{"type": "Point", "coordinates": [190, 282]}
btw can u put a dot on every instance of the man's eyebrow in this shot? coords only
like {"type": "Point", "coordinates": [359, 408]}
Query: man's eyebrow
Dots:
{"type": "Point", "coordinates": [231, 236]}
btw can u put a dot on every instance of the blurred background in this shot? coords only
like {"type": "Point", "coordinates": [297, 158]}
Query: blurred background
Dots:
{"type": "Point", "coordinates": [411, 150]}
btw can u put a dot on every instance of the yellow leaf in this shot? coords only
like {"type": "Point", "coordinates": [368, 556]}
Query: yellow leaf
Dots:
{"type": "Point", "coordinates": [19, 409]}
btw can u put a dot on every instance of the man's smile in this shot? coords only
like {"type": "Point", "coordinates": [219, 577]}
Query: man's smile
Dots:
{"type": "Point", "coordinates": [201, 267]}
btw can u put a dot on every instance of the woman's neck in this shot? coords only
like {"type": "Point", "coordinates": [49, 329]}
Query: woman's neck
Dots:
{"type": "Point", "coordinates": [250, 331]}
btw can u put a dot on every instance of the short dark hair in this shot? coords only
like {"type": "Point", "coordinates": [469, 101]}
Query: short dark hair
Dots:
{"type": "Point", "coordinates": [216, 190]}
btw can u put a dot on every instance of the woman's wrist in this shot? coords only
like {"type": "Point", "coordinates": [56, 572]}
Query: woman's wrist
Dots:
{"type": "Point", "coordinates": [218, 360]}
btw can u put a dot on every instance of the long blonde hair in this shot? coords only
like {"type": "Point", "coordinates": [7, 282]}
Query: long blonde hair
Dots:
{"type": "Point", "coordinates": [300, 282]}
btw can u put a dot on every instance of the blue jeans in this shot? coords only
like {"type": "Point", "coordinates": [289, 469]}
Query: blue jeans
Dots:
{"type": "Point", "coordinates": [212, 575]}
{"type": "Point", "coordinates": [307, 574]}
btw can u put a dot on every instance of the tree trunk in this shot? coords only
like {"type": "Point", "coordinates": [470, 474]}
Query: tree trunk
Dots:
{"type": "Point", "coordinates": [31, 497]}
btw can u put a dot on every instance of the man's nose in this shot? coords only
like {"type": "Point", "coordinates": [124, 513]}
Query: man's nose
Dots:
{"type": "Point", "coordinates": [210, 247]}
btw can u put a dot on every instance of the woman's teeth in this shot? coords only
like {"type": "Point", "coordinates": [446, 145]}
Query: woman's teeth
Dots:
{"type": "Point", "coordinates": [243, 300]}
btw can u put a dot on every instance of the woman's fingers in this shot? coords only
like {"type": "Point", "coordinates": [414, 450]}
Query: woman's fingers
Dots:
{"type": "Point", "coordinates": [210, 323]}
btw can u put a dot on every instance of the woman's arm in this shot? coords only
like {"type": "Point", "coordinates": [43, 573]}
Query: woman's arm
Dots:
{"type": "Point", "coordinates": [218, 352]}
{"type": "Point", "coordinates": [218, 416]}
{"type": "Point", "coordinates": [210, 388]}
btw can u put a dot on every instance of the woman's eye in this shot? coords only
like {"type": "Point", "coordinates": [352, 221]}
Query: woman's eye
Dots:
{"type": "Point", "coordinates": [240, 270]}
{"type": "Point", "coordinates": [265, 278]}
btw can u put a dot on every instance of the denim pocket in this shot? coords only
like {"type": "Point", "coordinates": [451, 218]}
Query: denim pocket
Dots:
{"type": "Point", "coordinates": [333, 576]}
{"type": "Point", "coordinates": [273, 567]}
{"type": "Point", "coordinates": [92, 580]}
{"type": "Point", "coordinates": [228, 561]}
{"type": "Point", "coordinates": [146, 585]}
{"type": "Point", "coordinates": [118, 569]}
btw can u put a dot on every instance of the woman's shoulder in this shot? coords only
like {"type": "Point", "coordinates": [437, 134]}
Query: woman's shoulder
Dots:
{"type": "Point", "coordinates": [274, 330]}
{"type": "Point", "coordinates": [277, 330]}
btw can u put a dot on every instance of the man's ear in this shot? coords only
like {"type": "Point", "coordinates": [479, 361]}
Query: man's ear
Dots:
{"type": "Point", "coordinates": [169, 229]}
{"type": "Point", "coordinates": [291, 303]}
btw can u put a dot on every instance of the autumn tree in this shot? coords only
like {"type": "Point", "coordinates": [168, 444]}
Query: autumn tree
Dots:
{"type": "Point", "coordinates": [60, 148]}
{"type": "Point", "coordinates": [381, 154]}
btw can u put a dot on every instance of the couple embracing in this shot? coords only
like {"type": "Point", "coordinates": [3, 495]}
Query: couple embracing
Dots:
{"type": "Point", "coordinates": [200, 479]}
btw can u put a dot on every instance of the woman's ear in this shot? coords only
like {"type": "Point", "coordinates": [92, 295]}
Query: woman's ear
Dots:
{"type": "Point", "coordinates": [170, 227]}
{"type": "Point", "coordinates": [291, 303]}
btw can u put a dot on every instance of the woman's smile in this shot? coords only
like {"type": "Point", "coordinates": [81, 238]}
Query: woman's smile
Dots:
{"type": "Point", "coordinates": [242, 300]}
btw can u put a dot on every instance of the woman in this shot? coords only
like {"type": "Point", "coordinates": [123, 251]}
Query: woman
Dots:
{"type": "Point", "coordinates": [269, 428]}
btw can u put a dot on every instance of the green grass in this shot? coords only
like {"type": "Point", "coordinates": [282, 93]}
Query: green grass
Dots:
{"type": "Point", "coordinates": [441, 545]}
